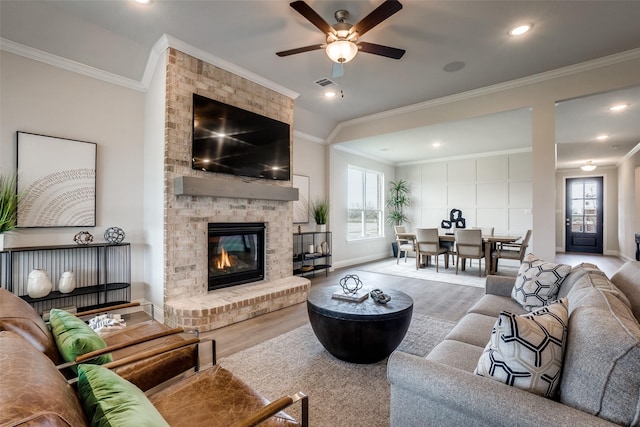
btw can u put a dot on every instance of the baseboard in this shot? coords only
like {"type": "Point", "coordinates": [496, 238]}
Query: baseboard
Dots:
{"type": "Point", "coordinates": [360, 260]}
{"type": "Point", "coordinates": [158, 313]}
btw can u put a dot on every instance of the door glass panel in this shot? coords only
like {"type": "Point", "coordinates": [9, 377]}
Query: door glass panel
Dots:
{"type": "Point", "coordinates": [584, 207]}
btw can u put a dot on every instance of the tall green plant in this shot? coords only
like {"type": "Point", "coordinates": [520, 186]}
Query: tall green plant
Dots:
{"type": "Point", "coordinates": [320, 211]}
{"type": "Point", "coordinates": [9, 200]}
{"type": "Point", "coordinates": [397, 201]}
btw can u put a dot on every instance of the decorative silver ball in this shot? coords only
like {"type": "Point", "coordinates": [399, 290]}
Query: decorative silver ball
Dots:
{"type": "Point", "coordinates": [83, 238]}
{"type": "Point", "coordinates": [114, 235]}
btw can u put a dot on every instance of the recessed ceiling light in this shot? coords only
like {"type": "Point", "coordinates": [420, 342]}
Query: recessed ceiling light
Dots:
{"type": "Point", "coordinates": [618, 107]}
{"type": "Point", "coordinates": [454, 66]}
{"type": "Point", "coordinates": [520, 30]}
{"type": "Point", "coordinates": [602, 137]}
{"type": "Point", "coordinates": [143, 1]}
{"type": "Point", "coordinates": [330, 93]}
{"type": "Point", "coordinates": [435, 145]}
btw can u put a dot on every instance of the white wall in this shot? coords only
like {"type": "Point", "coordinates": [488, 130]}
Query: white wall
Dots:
{"type": "Point", "coordinates": [491, 191]}
{"type": "Point", "coordinates": [310, 159]}
{"type": "Point", "coordinates": [43, 99]}
{"type": "Point", "coordinates": [354, 252]}
{"type": "Point", "coordinates": [153, 210]}
{"type": "Point", "coordinates": [628, 202]}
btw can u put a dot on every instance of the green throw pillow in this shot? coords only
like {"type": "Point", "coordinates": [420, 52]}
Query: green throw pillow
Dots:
{"type": "Point", "coordinates": [74, 337]}
{"type": "Point", "coordinates": [110, 400]}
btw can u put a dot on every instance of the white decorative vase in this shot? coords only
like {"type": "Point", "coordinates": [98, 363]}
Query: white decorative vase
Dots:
{"type": "Point", "coordinates": [321, 228]}
{"type": "Point", "coordinates": [67, 282]}
{"type": "Point", "coordinates": [38, 285]}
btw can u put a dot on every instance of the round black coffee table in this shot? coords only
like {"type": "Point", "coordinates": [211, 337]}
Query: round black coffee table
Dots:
{"type": "Point", "coordinates": [359, 332]}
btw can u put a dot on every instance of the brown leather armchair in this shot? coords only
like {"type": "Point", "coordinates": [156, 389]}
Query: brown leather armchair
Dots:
{"type": "Point", "coordinates": [34, 392]}
{"type": "Point", "coordinates": [169, 352]}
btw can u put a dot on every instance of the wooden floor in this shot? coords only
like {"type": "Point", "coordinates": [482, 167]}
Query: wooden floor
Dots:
{"type": "Point", "coordinates": [441, 300]}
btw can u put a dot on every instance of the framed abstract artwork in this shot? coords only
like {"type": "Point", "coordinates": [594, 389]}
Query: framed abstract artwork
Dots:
{"type": "Point", "coordinates": [57, 178]}
{"type": "Point", "coordinates": [301, 206]}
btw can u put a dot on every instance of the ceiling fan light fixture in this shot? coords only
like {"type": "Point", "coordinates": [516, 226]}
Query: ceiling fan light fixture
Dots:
{"type": "Point", "coordinates": [588, 167]}
{"type": "Point", "coordinates": [341, 51]}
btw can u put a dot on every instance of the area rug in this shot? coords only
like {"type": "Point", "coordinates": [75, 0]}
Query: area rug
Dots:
{"type": "Point", "coordinates": [469, 277]}
{"type": "Point", "coordinates": [340, 393]}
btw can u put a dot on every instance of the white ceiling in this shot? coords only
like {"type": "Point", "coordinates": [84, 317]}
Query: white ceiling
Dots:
{"type": "Point", "coordinates": [117, 36]}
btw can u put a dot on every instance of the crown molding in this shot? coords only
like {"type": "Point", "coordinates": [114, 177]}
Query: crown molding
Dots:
{"type": "Point", "coordinates": [364, 155]}
{"type": "Point", "coordinates": [630, 154]}
{"type": "Point", "coordinates": [467, 156]}
{"type": "Point", "coordinates": [66, 64]}
{"type": "Point", "coordinates": [308, 137]}
{"type": "Point", "coordinates": [166, 41]}
{"type": "Point", "coordinates": [536, 78]}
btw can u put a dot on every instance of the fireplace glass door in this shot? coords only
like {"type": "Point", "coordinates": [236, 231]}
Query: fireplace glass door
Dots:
{"type": "Point", "coordinates": [236, 254]}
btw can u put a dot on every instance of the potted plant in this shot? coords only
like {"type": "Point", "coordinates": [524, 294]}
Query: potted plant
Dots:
{"type": "Point", "coordinates": [9, 200]}
{"type": "Point", "coordinates": [398, 199]}
{"type": "Point", "coordinates": [320, 212]}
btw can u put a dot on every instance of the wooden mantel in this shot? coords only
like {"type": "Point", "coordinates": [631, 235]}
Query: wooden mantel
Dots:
{"type": "Point", "coordinates": [196, 186]}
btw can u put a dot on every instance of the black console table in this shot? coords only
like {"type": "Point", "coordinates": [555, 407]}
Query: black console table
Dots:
{"type": "Point", "coordinates": [102, 274]}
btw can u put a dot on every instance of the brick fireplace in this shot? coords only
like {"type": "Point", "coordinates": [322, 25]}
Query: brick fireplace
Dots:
{"type": "Point", "coordinates": [187, 215]}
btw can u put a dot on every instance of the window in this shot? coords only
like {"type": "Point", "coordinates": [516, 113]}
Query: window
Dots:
{"type": "Point", "coordinates": [364, 203]}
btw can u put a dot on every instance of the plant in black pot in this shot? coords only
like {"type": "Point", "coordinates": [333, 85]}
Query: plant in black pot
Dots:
{"type": "Point", "coordinates": [398, 200]}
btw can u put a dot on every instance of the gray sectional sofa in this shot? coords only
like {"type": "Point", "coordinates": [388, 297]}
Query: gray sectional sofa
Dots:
{"type": "Point", "coordinates": [600, 377]}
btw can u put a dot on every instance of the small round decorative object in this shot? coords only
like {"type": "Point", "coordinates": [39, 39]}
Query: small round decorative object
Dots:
{"type": "Point", "coordinates": [350, 284]}
{"type": "Point", "coordinates": [380, 297]}
{"type": "Point", "coordinates": [83, 238]}
{"type": "Point", "coordinates": [114, 235]}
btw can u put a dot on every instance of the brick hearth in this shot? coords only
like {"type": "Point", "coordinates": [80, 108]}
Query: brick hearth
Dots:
{"type": "Point", "coordinates": [231, 305]}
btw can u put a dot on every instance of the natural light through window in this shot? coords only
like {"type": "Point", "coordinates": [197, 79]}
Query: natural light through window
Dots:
{"type": "Point", "coordinates": [364, 204]}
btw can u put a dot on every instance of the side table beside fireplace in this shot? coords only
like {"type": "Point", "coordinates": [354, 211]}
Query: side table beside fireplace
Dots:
{"type": "Point", "coordinates": [311, 252]}
{"type": "Point", "coordinates": [359, 332]}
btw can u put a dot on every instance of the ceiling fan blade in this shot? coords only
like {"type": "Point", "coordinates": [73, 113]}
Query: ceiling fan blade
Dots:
{"type": "Point", "coordinates": [300, 50]}
{"type": "Point", "coordinates": [305, 10]}
{"type": "Point", "coordinates": [379, 14]}
{"type": "Point", "coordinates": [378, 49]}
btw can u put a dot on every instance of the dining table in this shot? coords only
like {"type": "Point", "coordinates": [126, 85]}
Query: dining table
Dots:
{"type": "Point", "coordinates": [489, 241]}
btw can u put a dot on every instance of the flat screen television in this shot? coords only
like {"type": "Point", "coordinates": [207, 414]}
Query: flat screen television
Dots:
{"type": "Point", "coordinates": [234, 141]}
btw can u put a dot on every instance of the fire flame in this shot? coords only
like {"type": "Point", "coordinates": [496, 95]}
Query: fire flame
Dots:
{"type": "Point", "coordinates": [223, 260]}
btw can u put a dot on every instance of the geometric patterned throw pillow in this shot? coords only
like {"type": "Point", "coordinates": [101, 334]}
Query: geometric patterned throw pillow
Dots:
{"type": "Point", "coordinates": [538, 282]}
{"type": "Point", "coordinates": [526, 351]}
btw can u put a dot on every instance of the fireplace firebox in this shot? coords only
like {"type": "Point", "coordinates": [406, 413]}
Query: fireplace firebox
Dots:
{"type": "Point", "coordinates": [236, 254]}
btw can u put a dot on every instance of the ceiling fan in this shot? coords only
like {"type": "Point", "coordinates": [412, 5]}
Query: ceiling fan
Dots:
{"type": "Point", "coordinates": [342, 39]}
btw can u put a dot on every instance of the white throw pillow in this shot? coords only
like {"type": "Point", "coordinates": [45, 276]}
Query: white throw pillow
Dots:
{"type": "Point", "coordinates": [538, 282]}
{"type": "Point", "coordinates": [526, 351]}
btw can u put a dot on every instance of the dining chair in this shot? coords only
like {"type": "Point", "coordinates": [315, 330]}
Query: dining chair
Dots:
{"type": "Point", "coordinates": [404, 245]}
{"type": "Point", "coordinates": [428, 243]}
{"type": "Point", "coordinates": [515, 251]}
{"type": "Point", "coordinates": [469, 245]}
{"type": "Point", "coordinates": [486, 231]}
